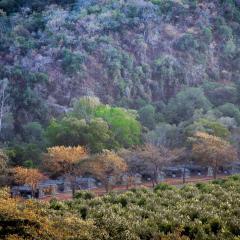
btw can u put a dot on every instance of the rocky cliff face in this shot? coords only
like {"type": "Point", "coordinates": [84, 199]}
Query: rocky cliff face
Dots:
{"type": "Point", "coordinates": [123, 51]}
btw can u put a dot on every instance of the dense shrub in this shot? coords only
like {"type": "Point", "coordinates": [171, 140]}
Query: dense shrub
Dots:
{"type": "Point", "coordinates": [219, 94]}
{"type": "Point", "coordinates": [230, 110]}
{"type": "Point", "coordinates": [205, 211]}
{"type": "Point", "coordinates": [182, 107]}
{"type": "Point", "coordinates": [187, 43]}
{"type": "Point", "coordinates": [162, 212]}
{"type": "Point", "coordinates": [147, 116]}
{"type": "Point", "coordinates": [72, 62]}
{"type": "Point", "coordinates": [84, 195]}
{"type": "Point", "coordinates": [163, 187]}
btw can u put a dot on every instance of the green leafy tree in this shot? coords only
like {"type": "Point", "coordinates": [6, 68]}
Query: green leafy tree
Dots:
{"type": "Point", "coordinates": [24, 97]}
{"type": "Point", "coordinates": [147, 116]}
{"type": "Point", "coordinates": [25, 154]}
{"type": "Point", "coordinates": [219, 94]}
{"type": "Point", "coordinates": [85, 107]}
{"type": "Point", "coordinates": [123, 123]}
{"type": "Point", "coordinates": [182, 107]}
{"type": "Point", "coordinates": [98, 136]}
{"type": "Point", "coordinates": [72, 62]}
{"type": "Point", "coordinates": [209, 126]}
{"type": "Point", "coordinates": [230, 110]}
{"type": "Point", "coordinates": [70, 131]}
{"type": "Point", "coordinates": [33, 132]}
{"type": "Point", "coordinates": [166, 135]}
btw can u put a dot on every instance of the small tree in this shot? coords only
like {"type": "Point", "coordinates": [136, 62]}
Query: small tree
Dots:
{"type": "Point", "coordinates": [62, 160]}
{"type": "Point", "coordinates": [3, 101]}
{"type": "Point", "coordinates": [3, 168]}
{"type": "Point", "coordinates": [156, 158]}
{"type": "Point", "coordinates": [85, 107]}
{"type": "Point", "coordinates": [3, 162]}
{"type": "Point", "coordinates": [105, 166]}
{"type": "Point", "coordinates": [212, 151]}
{"type": "Point", "coordinates": [28, 176]}
{"type": "Point", "coordinates": [135, 164]}
{"type": "Point", "coordinates": [184, 157]}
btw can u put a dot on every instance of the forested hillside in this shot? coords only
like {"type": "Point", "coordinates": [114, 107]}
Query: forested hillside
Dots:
{"type": "Point", "coordinates": [175, 62]}
{"type": "Point", "coordinates": [128, 53]}
{"type": "Point", "coordinates": [119, 94]}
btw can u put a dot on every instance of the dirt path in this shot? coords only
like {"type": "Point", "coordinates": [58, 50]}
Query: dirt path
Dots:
{"type": "Point", "coordinates": [119, 189]}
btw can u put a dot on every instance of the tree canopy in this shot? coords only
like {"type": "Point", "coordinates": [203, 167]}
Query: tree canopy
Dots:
{"type": "Point", "coordinates": [213, 151]}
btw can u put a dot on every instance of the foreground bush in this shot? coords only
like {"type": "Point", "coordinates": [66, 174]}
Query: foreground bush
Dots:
{"type": "Point", "coordinates": [205, 211]}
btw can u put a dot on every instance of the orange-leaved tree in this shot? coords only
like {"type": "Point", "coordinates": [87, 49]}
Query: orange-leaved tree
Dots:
{"type": "Point", "coordinates": [29, 176]}
{"type": "Point", "coordinates": [212, 151]}
{"type": "Point", "coordinates": [23, 220]}
{"type": "Point", "coordinates": [106, 167]}
{"type": "Point", "coordinates": [155, 158]}
{"type": "Point", "coordinates": [61, 160]}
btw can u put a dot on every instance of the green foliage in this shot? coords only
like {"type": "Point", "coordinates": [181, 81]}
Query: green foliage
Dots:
{"type": "Point", "coordinates": [68, 131]}
{"type": "Point", "coordinates": [166, 135]}
{"type": "Point", "coordinates": [192, 212]}
{"type": "Point", "coordinates": [85, 107]}
{"type": "Point", "coordinates": [99, 136]}
{"type": "Point", "coordinates": [219, 94]}
{"type": "Point", "coordinates": [229, 110]}
{"type": "Point", "coordinates": [147, 116]}
{"type": "Point", "coordinates": [225, 32]}
{"type": "Point", "coordinates": [85, 195]}
{"type": "Point", "coordinates": [182, 107]}
{"type": "Point", "coordinates": [207, 34]}
{"type": "Point", "coordinates": [33, 132]}
{"type": "Point", "coordinates": [169, 73]}
{"type": "Point", "coordinates": [72, 62]}
{"type": "Point", "coordinates": [23, 96]}
{"type": "Point", "coordinates": [134, 54]}
{"type": "Point", "coordinates": [210, 126]}
{"type": "Point", "coordinates": [11, 6]}
{"type": "Point", "coordinates": [163, 187]}
{"type": "Point", "coordinates": [126, 129]}
{"type": "Point", "coordinates": [24, 44]}
{"type": "Point", "coordinates": [231, 9]}
{"type": "Point", "coordinates": [171, 10]}
{"type": "Point", "coordinates": [96, 126]}
{"type": "Point", "coordinates": [25, 154]}
{"type": "Point", "coordinates": [229, 49]}
{"type": "Point", "coordinates": [187, 43]}
{"type": "Point", "coordinates": [8, 5]}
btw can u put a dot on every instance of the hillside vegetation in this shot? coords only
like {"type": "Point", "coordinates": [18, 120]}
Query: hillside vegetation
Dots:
{"type": "Point", "coordinates": [120, 91]}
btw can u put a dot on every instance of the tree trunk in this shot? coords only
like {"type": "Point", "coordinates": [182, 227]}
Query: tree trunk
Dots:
{"type": "Point", "coordinates": [3, 99]}
{"type": "Point", "coordinates": [73, 190]}
{"type": "Point", "coordinates": [215, 172]}
{"type": "Point", "coordinates": [153, 182]}
{"type": "Point", "coordinates": [128, 182]}
{"type": "Point", "coordinates": [184, 175]}
{"type": "Point", "coordinates": [156, 175]}
{"type": "Point", "coordinates": [32, 192]}
{"type": "Point", "coordinates": [107, 188]}
{"type": "Point", "coordinates": [73, 186]}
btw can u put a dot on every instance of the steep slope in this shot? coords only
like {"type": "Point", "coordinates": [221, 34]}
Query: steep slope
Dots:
{"type": "Point", "coordinates": [121, 51]}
